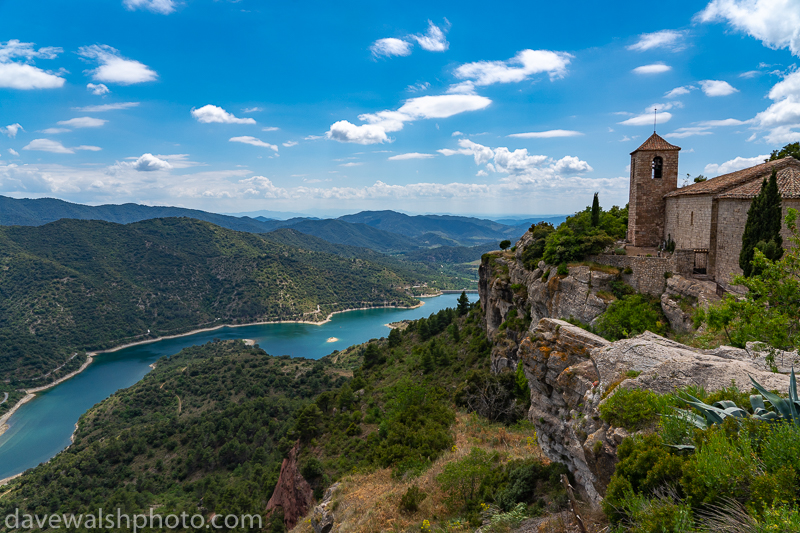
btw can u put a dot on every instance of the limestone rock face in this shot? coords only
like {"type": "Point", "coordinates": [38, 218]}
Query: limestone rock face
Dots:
{"type": "Point", "coordinates": [292, 493]}
{"type": "Point", "coordinates": [323, 518]}
{"type": "Point", "coordinates": [680, 294]}
{"type": "Point", "coordinates": [569, 371]}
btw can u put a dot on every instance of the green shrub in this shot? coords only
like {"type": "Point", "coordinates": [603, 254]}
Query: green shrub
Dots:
{"type": "Point", "coordinates": [545, 275]}
{"type": "Point", "coordinates": [620, 251]}
{"type": "Point", "coordinates": [563, 270]}
{"type": "Point", "coordinates": [667, 274]}
{"type": "Point", "coordinates": [628, 270]}
{"type": "Point", "coordinates": [630, 316]}
{"type": "Point", "coordinates": [577, 237]}
{"type": "Point", "coordinates": [529, 479]}
{"type": "Point", "coordinates": [631, 409]}
{"type": "Point", "coordinates": [656, 515]}
{"type": "Point", "coordinates": [462, 479]}
{"type": "Point", "coordinates": [534, 251]}
{"type": "Point", "coordinates": [412, 498]}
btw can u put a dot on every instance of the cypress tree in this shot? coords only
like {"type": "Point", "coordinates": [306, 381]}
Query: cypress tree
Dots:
{"type": "Point", "coordinates": [595, 211]}
{"type": "Point", "coordinates": [763, 227]}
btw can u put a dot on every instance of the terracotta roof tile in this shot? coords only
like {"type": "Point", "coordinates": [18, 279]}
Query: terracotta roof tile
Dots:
{"type": "Point", "coordinates": [788, 185]}
{"type": "Point", "coordinates": [655, 142]}
{"type": "Point", "coordinates": [726, 182]}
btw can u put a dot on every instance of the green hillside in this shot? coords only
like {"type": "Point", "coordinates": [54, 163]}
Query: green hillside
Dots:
{"type": "Point", "coordinates": [205, 432]}
{"type": "Point", "coordinates": [72, 286]}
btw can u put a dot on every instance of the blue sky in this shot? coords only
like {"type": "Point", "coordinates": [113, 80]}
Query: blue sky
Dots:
{"type": "Point", "coordinates": [330, 107]}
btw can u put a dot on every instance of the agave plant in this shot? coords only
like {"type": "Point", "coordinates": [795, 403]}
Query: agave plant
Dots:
{"type": "Point", "coordinates": [787, 410]}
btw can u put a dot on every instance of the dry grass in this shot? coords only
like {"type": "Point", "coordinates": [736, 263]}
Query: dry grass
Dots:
{"type": "Point", "coordinates": [367, 503]}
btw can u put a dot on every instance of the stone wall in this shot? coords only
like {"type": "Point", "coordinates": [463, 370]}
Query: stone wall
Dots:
{"type": "Point", "coordinates": [646, 204]}
{"type": "Point", "coordinates": [688, 221]}
{"type": "Point", "coordinates": [731, 218]}
{"type": "Point", "coordinates": [647, 274]}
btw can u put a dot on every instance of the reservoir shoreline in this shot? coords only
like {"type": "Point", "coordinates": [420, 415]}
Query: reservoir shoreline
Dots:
{"type": "Point", "coordinates": [31, 393]}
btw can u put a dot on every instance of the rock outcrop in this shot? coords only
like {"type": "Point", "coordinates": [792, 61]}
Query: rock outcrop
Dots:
{"type": "Point", "coordinates": [323, 518]}
{"type": "Point", "coordinates": [680, 298]}
{"type": "Point", "coordinates": [292, 494]}
{"type": "Point", "coordinates": [570, 370]}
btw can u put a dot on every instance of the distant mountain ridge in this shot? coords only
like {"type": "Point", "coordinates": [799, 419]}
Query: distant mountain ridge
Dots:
{"type": "Point", "coordinates": [383, 231]}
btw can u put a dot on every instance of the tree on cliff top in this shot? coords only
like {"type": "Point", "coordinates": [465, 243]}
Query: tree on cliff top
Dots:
{"type": "Point", "coordinates": [763, 227]}
{"type": "Point", "coordinates": [577, 238]}
{"type": "Point", "coordinates": [792, 149]}
{"type": "Point", "coordinates": [595, 211]}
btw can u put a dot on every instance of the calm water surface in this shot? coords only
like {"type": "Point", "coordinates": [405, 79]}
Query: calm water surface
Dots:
{"type": "Point", "coordinates": [42, 427]}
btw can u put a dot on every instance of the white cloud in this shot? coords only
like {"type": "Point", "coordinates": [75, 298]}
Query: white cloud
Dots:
{"type": "Point", "coordinates": [178, 160]}
{"type": "Point", "coordinates": [717, 88]}
{"type": "Point", "coordinates": [114, 68]}
{"type": "Point", "coordinates": [246, 139]}
{"type": "Point", "coordinates": [252, 109]}
{"type": "Point", "coordinates": [11, 130]}
{"type": "Point", "coordinates": [418, 87]}
{"type": "Point", "coordinates": [211, 113]}
{"type": "Point", "coordinates": [519, 165]}
{"type": "Point", "coordinates": [87, 148]}
{"type": "Point", "coordinates": [24, 77]}
{"type": "Point", "coordinates": [270, 128]}
{"type": "Point", "coordinates": [546, 134]}
{"type": "Point", "coordinates": [681, 133]}
{"type": "Point", "coordinates": [776, 23]}
{"type": "Point", "coordinates": [782, 118]}
{"type": "Point", "coordinates": [344, 131]}
{"type": "Point", "coordinates": [98, 89]}
{"type": "Point", "coordinates": [411, 155]}
{"type": "Point", "coordinates": [106, 107]}
{"type": "Point", "coordinates": [724, 122]}
{"type": "Point", "coordinates": [434, 40]}
{"type": "Point", "coordinates": [655, 68]}
{"type": "Point", "coordinates": [390, 47]}
{"type": "Point", "coordinates": [351, 164]}
{"type": "Point", "coordinates": [456, 134]}
{"type": "Point", "coordinates": [145, 163]}
{"type": "Point", "coordinates": [83, 122]}
{"type": "Point", "coordinates": [55, 131]}
{"type": "Point", "coordinates": [13, 152]}
{"type": "Point", "coordinates": [646, 119]}
{"type": "Point", "coordinates": [482, 173]}
{"type": "Point", "coordinates": [46, 145]}
{"type": "Point", "coordinates": [734, 164]}
{"type": "Point", "coordinates": [665, 106]}
{"type": "Point", "coordinates": [424, 107]}
{"type": "Point", "coordinates": [163, 7]}
{"type": "Point", "coordinates": [750, 74]}
{"type": "Point", "coordinates": [669, 39]}
{"type": "Point", "coordinates": [526, 63]}
{"type": "Point", "coordinates": [679, 91]}
{"type": "Point", "coordinates": [289, 144]}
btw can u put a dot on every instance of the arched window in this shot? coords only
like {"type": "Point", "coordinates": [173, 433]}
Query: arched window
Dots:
{"type": "Point", "coordinates": [658, 164]}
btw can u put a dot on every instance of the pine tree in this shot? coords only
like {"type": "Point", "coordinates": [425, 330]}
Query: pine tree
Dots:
{"type": "Point", "coordinates": [595, 211]}
{"type": "Point", "coordinates": [463, 304]}
{"type": "Point", "coordinates": [763, 227]}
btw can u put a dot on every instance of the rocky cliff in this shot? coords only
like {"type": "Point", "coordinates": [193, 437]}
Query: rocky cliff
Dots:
{"type": "Point", "coordinates": [571, 371]}
{"type": "Point", "coordinates": [293, 495]}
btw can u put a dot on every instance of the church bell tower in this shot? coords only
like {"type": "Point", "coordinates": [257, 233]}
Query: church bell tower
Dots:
{"type": "Point", "coordinates": [654, 173]}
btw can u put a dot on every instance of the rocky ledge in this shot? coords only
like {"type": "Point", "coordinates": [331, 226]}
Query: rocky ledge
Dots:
{"type": "Point", "coordinates": [570, 372]}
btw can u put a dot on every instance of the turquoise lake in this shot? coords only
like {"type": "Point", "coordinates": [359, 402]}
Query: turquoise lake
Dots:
{"type": "Point", "coordinates": [42, 428]}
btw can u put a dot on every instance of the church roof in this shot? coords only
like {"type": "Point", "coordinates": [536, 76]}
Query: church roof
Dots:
{"type": "Point", "coordinates": [788, 185]}
{"type": "Point", "coordinates": [655, 142]}
{"type": "Point", "coordinates": [726, 182]}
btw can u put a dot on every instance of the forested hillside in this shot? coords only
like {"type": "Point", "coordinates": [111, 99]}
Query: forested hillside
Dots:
{"type": "Point", "coordinates": [73, 285]}
{"type": "Point", "coordinates": [206, 431]}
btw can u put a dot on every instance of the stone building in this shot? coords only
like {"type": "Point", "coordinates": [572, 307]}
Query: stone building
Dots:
{"type": "Point", "coordinates": [706, 217]}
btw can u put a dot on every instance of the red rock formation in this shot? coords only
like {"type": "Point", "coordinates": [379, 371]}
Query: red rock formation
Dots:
{"type": "Point", "coordinates": [292, 493]}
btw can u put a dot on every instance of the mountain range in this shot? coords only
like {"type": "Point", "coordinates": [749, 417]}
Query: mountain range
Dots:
{"type": "Point", "coordinates": [382, 231]}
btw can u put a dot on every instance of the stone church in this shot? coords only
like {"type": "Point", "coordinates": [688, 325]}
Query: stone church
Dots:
{"type": "Point", "coordinates": [707, 217]}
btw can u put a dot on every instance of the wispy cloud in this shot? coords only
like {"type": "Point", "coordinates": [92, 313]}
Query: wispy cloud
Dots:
{"type": "Point", "coordinates": [717, 88]}
{"type": "Point", "coordinates": [667, 39]}
{"type": "Point", "coordinates": [47, 145]}
{"type": "Point", "coordinates": [83, 122]}
{"type": "Point", "coordinates": [546, 134]}
{"type": "Point", "coordinates": [679, 91]}
{"type": "Point", "coordinates": [24, 76]}
{"type": "Point", "coordinates": [775, 23]}
{"type": "Point", "coordinates": [646, 119]}
{"type": "Point", "coordinates": [253, 141]}
{"type": "Point", "coordinates": [162, 7]}
{"type": "Point", "coordinates": [106, 107]}
{"type": "Point", "coordinates": [390, 46]}
{"type": "Point", "coordinates": [655, 68]}
{"type": "Point", "coordinates": [434, 40]}
{"type": "Point", "coordinates": [525, 64]}
{"type": "Point", "coordinates": [11, 130]}
{"type": "Point", "coordinates": [411, 155]}
{"type": "Point", "coordinates": [98, 89]}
